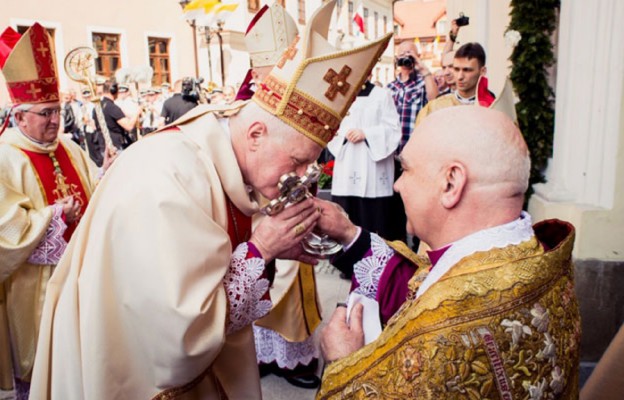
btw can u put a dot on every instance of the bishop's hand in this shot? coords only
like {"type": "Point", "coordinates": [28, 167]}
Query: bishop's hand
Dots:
{"type": "Point", "coordinates": [280, 235]}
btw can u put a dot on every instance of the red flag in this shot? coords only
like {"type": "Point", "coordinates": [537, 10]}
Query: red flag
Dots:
{"type": "Point", "coordinates": [358, 18]}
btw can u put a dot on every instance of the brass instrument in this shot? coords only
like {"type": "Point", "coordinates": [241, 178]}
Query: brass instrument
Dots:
{"type": "Point", "coordinates": [294, 189]}
{"type": "Point", "coordinates": [78, 66]}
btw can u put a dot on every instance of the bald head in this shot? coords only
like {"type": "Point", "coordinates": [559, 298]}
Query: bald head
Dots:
{"type": "Point", "coordinates": [474, 165]}
{"type": "Point", "coordinates": [485, 140]}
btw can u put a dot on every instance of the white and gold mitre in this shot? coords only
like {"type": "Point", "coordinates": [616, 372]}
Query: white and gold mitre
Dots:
{"type": "Point", "coordinates": [269, 33]}
{"type": "Point", "coordinates": [313, 84]}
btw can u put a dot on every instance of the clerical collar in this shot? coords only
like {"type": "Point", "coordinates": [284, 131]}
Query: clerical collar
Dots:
{"type": "Point", "coordinates": [42, 144]}
{"type": "Point", "coordinates": [464, 100]}
{"type": "Point", "coordinates": [435, 255]}
{"type": "Point", "coordinates": [512, 233]}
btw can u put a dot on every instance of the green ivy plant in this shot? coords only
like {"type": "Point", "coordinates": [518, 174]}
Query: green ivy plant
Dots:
{"type": "Point", "coordinates": [535, 20]}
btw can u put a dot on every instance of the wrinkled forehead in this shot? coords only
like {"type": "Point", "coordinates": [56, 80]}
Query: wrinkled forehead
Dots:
{"type": "Point", "coordinates": [300, 147]}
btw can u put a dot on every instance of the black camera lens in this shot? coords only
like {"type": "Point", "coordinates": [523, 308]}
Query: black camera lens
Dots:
{"type": "Point", "coordinates": [407, 62]}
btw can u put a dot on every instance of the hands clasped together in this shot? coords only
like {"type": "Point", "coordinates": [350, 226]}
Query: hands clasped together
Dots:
{"type": "Point", "coordinates": [280, 235]}
{"type": "Point", "coordinates": [71, 208]}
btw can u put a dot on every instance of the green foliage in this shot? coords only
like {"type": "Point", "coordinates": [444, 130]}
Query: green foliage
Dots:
{"type": "Point", "coordinates": [325, 181]}
{"type": "Point", "coordinates": [535, 20]}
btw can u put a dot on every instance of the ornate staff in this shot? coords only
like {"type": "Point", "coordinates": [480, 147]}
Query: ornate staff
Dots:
{"type": "Point", "coordinates": [78, 66]}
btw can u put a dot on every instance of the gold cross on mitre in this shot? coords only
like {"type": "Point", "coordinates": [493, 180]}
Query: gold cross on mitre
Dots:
{"type": "Point", "coordinates": [289, 53]}
{"type": "Point", "coordinates": [338, 82]}
{"type": "Point", "coordinates": [33, 91]}
{"type": "Point", "coordinates": [42, 49]}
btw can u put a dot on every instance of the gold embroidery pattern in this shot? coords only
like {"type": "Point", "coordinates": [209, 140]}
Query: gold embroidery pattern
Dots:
{"type": "Point", "coordinates": [63, 189]}
{"type": "Point", "coordinates": [518, 341]}
{"type": "Point", "coordinates": [289, 53]}
{"type": "Point", "coordinates": [306, 116]}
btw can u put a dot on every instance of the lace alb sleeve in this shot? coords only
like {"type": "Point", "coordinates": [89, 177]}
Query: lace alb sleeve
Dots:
{"type": "Point", "coordinates": [52, 245]}
{"type": "Point", "coordinates": [368, 270]}
{"type": "Point", "coordinates": [247, 287]}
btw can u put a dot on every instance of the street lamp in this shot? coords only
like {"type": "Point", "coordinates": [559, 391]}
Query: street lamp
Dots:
{"type": "Point", "coordinates": [184, 3]}
{"type": "Point", "coordinates": [207, 31]}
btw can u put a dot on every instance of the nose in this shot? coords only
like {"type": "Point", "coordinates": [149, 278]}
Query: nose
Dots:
{"type": "Point", "coordinates": [397, 184]}
{"type": "Point", "coordinates": [301, 170]}
{"type": "Point", "coordinates": [55, 117]}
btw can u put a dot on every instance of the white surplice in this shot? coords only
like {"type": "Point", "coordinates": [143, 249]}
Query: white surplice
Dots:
{"type": "Point", "coordinates": [366, 169]}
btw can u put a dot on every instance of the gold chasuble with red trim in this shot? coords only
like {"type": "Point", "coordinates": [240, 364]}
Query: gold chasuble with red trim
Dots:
{"type": "Point", "coordinates": [58, 179]}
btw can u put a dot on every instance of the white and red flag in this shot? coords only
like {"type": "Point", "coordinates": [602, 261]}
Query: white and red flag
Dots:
{"type": "Point", "coordinates": [358, 18]}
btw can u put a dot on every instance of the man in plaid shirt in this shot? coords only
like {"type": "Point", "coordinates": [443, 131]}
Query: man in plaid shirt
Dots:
{"type": "Point", "coordinates": [412, 89]}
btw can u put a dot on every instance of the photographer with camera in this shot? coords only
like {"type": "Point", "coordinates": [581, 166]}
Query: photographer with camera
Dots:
{"type": "Point", "coordinates": [413, 87]}
{"type": "Point", "coordinates": [184, 99]}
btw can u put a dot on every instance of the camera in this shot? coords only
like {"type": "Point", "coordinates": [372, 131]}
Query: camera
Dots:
{"type": "Point", "coordinates": [191, 89]}
{"type": "Point", "coordinates": [462, 20]}
{"type": "Point", "coordinates": [407, 62]}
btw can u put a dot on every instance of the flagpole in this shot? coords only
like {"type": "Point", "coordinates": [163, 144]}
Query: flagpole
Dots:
{"type": "Point", "coordinates": [218, 32]}
{"type": "Point", "coordinates": [195, 49]}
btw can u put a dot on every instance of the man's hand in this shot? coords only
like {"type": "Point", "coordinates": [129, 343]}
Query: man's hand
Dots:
{"type": "Point", "coordinates": [110, 155]}
{"type": "Point", "coordinates": [421, 67]}
{"type": "Point", "coordinates": [355, 135]}
{"type": "Point", "coordinates": [454, 30]}
{"type": "Point", "coordinates": [298, 253]}
{"type": "Point", "coordinates": [71, 208]}
{"type": "Point", "coordinates": [334, 222]}
{"type": "Point", "coordinates": [279, 236]}
{"type": "Point", "coordinates": [339, 338]}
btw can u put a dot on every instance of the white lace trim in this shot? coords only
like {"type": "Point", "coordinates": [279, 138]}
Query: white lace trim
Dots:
{"type": "Point", "coordinates": [368, 270]}
{"type": "Point", "coordinates": [271, 346]}
{"type": "Point", "coordinates": [52, 245]}
{"type": "Point", "coordinates": [512, 233]}
{"type": "Point", "coordinates": [245, 289]}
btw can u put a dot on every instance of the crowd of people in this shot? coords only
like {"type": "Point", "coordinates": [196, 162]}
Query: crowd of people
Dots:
{"type": "Point", "coordinates": [130, 112]}
{"type": "Point", "coordinates": [139, 269]}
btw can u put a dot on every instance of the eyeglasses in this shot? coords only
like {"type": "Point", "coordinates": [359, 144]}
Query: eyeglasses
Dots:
{"type": "Point", "coordinates": [46, 112]}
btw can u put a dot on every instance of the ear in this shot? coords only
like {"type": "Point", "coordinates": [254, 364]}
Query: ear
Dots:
{"type": "Point", "coordinates": [455, 180]}
{"type": "Point", "coordinates": [256, 133]}
{"type": "Point", "coordinates": [483, 70]}
{"type": "Point", "coordinates": [19, 116]}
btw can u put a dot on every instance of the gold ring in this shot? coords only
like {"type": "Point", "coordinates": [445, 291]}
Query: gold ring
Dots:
{"type": "Point", "coordinates": [299, 229]}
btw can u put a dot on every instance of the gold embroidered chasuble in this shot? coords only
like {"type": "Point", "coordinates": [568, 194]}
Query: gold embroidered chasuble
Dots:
{"type": "Point", "coordinates": [448, 100]}
{"type": "Point", "coordinates": [501, 324]}
{"type": "Point", "coordinates": [146, 319]}
{"type": "Point", "coordinates": [24, 219]}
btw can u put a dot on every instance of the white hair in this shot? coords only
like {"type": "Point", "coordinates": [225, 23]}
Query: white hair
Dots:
{"type": "Point", "coordinates": [21, 108]}
{"type": "Point", "coordinates": [277, 128]}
